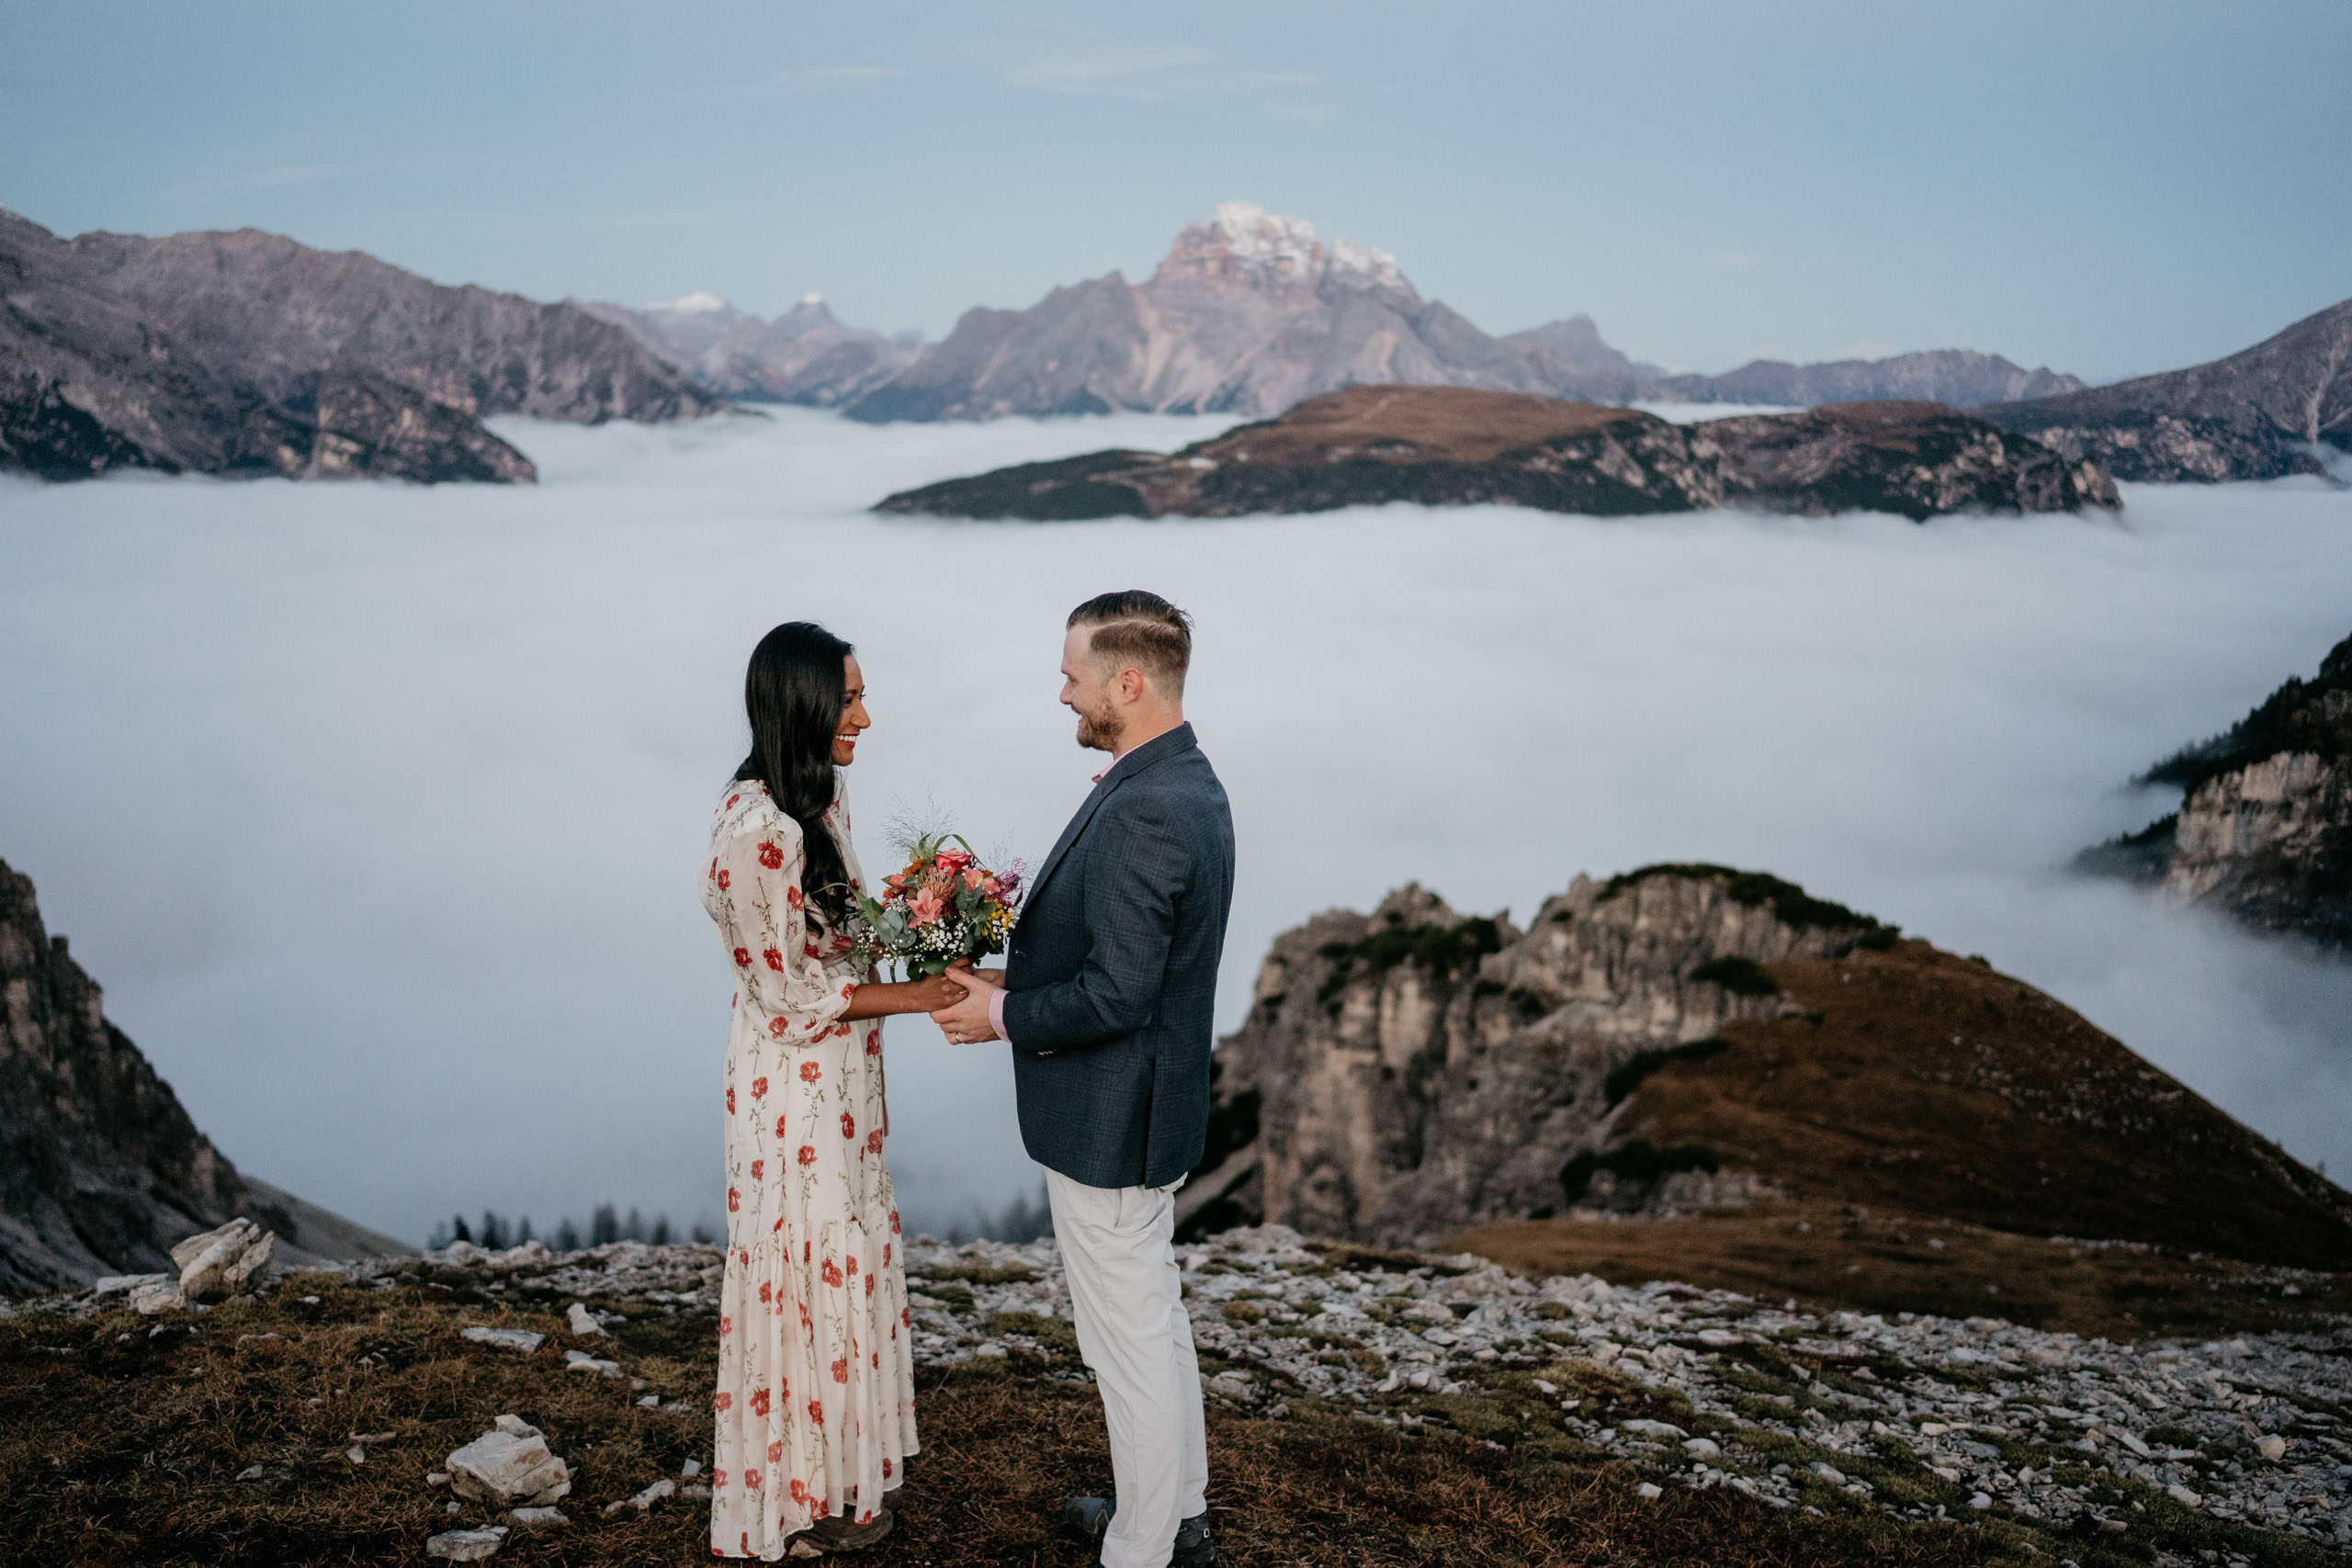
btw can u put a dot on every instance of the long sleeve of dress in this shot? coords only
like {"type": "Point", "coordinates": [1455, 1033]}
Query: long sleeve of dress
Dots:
{"type": "Point", "coordinates": [756, 876]}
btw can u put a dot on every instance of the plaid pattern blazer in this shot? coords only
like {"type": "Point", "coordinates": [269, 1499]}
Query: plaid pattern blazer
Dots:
{"type": "Point", "coordinates": [1111, 984]}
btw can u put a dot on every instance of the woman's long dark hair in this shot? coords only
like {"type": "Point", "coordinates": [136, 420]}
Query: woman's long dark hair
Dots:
{"type": "Point", "coordinates": [792, 694]}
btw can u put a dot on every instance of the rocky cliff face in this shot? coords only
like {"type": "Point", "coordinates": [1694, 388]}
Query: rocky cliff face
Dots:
{"type": "Point", "coordinates": [1453, 446]}
{"type": "Point", "coordinates": [2265, 828]}
{"type": "Point", "coordinates": [1251, 313]}
{"type": "Point", "coordinates": [807, 356]}
{"type": "Point", "coordinates": [101, 1171]}
{"type": "Point", "coordinates": [92, 381]}
{"type": "Point", "coordinates": [1688, 1035]}
{"type": "Point", "coordinates": [282, 317]}
{"type": "Point", "coordinates": [2258, 414]}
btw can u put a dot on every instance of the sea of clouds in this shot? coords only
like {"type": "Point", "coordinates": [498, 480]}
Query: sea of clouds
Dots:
{"type": "Point", "coordinates": [377, 808]}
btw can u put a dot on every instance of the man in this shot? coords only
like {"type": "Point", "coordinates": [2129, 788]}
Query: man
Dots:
{"type": "Point", "coordinates": [1106, 1001]}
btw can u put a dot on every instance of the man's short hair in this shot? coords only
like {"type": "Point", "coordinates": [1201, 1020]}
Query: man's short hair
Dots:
{"type": "Point", "coordinates": [1140, 630]}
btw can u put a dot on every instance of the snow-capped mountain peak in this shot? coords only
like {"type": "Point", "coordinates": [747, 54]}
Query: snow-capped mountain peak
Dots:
{"type": "Point", "coordinates": [1245, 245]}
{"type": "Point", "coordinates": [702, 302]}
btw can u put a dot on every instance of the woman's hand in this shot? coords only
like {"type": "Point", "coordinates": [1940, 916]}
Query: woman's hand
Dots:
{"type": "Point", "coordinates": [930, 994]}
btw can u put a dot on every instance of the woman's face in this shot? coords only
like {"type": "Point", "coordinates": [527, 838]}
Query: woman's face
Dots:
{"type": "Point", "coordinates": [854, 716]}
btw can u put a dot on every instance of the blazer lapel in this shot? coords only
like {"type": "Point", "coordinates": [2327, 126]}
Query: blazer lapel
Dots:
{"type": "Point", "coordinates": [1150, 753]}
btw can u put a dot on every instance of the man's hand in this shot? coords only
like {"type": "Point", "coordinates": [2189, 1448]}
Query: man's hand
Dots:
{"type": "Point", "coordinates": [967, 1022]}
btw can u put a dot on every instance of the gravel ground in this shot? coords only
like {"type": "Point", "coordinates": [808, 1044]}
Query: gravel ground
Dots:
{"type": "Point", "coordinates": [2042, 1426]}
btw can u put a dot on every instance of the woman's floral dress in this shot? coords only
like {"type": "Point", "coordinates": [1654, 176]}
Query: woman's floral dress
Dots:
{"type": "Point", "coordinates": [816, 1381]}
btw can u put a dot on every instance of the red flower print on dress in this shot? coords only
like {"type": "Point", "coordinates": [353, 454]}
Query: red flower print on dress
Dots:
{"type": "Point", "coordinates": [792, 898]}
{"type": "Point", "coordinates": [886, 1255]}
{"type": "Point", "coordinates": [734, 1201]}
{"type": "Point", "coordinates": [894, 1222]}
{"type": "Point", "coordinates": [849, 1125]}
{"type": "Point", "coordinates": [772, 856]}
{"type": "Point", "coordinates": [726, 1326]}
{"type": "Point", "coordinates": [759, 1401]}
{"type": "Point", "coordinates": [774, 958]}
{"type": "Point", "coordinates": [874, 1042]}
{"type": "Point", "coordinates": [733, 799]}
{"type": "Point", "coordinates": [907, 1318]}
{"type": "Point", "coordinates": [766, 1289]}
{"type": "Point", "coordinates": [808, 950]}
{"type": "Point", "coordinates": [833, 1273]}
{"type": "Point", "coordinates": [751, 1478]}
{"type": "Point", "coordinates": [874, 1141]}
{"type": "Point", "coordinates": [810, 1072]}
{"type": "Point", "coordinates": [869, 1284]}
{"type": "Point", "coordinates": [759, 1089]}
{"type": "Point", "coordinates": [853, 1265]}
{"type": "Point", "coordinates": [730, 1103]}
{"type": "Point", "coordinates": [743, 958]}
{"type": "Point", "coordinates": [775, 1453]}
{"type": "Point", "coordinates": [804, 1323]}
{"type": "Point", "coordinates": [816, 1411]}
{"type": "Point", "coordinates": [726, 1400]}
{"type": "Point", "coordinates": [799, 1490]}
{"type": "Point", "coordinates": [840, 1371]}
{"type": "Point", "coordinates": [877, 1355]}
{"type": "Point", "coordinates": [841, 1030]}
{"type": "Point", "coordinates": [719, 1478]}
{"type": "Point", "coordinates": [807, 1152]}
{"type": "Point", "coordinates": [757, 1166]}
{"type": "Point", "coordinates": [775, 1027]}
{"type": "Point", "coordinates": [725, 877]}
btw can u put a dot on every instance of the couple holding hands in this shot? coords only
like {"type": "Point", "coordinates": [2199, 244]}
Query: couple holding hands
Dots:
{"type": "Point", "coordinates": [1105, 1005]}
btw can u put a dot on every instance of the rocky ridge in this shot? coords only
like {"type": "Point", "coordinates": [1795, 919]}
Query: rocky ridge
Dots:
{"type": "Point", "coordinates": [807, 355]}
{"type": "Point", "coordinates": [92, 381]}
{"type": "Point", "coordinates": [1691, 1036]}
{"type": "Point", "coordinates": [2264, 830]}
{"type": "Point", "coordinates": [1457, 447]}
{"type": "Point", "coordinates": [1919, 1417]}
{"type": "Point", "coordinates": [102, 1171]}
{"type": "Point", "coordinates": [280, 315]}
{"type": "Point", "coordinates": [2275, 409]}
{"type": "Point", "coordinates": [1252, 312]}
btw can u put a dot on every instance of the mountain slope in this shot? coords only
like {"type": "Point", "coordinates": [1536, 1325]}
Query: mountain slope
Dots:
{"type": "Point", "coordinates": [101, 1171]}
{"type": "Point", "coordinates": [280, 316]}
{"type": "Point", "coordinates": [1454, 447]}
{"type": "Point", "coordinates": [2265, 828]}
{"type": "Point", "coordinates": [807, 356]}
{"type": "Point", "coordinates": [1251, 313]}
{"type": "Point", "coordinates": [91, 380]}
{"type": "Point", "coordinates": [1688, 1035]}
{"type": "Point", "coordinates": [2255, 415]}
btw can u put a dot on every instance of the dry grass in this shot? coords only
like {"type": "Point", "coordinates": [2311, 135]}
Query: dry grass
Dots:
{"type": "Point", "coordinates": [1421, 424]}
{"type": "Point", "coordinates": [121, 1439]}
{"type": "Point", "coordinates": [1844, 1255]}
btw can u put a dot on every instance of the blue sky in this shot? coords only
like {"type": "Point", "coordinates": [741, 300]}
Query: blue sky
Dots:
{"type": "Point", "coordinates": [2108, 188]}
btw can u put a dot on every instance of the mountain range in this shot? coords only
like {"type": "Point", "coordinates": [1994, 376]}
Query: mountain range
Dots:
{"type": "Point", "coordinates": [248, 354]}
{"type": "Point", "coordinates": [1250, 313]}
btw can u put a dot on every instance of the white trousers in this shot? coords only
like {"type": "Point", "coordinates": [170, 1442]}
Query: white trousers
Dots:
{"type": "Point", "coordinates": [1118, 1254]}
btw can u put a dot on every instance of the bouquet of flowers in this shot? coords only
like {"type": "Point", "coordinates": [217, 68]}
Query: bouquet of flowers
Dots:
{"type": "Point", "coordinates": [944, 907]}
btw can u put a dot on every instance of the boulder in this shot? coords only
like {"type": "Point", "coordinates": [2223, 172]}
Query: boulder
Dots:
{"type": "Point", "coordinates": [222, 1261]}
{"type": "Point", "coordinates": [509, 1467]}
{"type": "Point", "coordinates": [466, 1546]}
{"type": "Point", "coordinates": [521, 1339]}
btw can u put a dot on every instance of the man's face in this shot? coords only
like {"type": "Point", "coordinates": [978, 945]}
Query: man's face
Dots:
{"type": "Point", "coordinates": [1087, 692]}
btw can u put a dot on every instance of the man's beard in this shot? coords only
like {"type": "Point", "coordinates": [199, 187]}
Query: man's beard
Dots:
{"type": "Point", "coordinates": [1099, 731]}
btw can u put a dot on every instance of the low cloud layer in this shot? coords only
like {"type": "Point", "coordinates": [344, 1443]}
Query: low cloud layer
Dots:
{"type": "Point", "coordinates": [378, 809]}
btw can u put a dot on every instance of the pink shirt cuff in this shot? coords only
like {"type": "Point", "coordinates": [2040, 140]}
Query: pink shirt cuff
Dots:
{"type": "Point", "coordinates": [996, 1015]}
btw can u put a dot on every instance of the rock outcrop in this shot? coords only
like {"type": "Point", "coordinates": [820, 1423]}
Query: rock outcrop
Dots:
{"type": "Point", "coordinates": [1251, 313]}
{"type": "Point", "coordinates": [93, 380]}
{"type": "Point", "coordinates": [1454, 447]}
{"type": "Point", "coordinates": [1688, 1035]}
{"type": "Point", "coordinates": [101, 1171]}
{"type": "Point", "coordinates": [807, 355]}
{"type": "Point", "coordinates": [282, 317]}
{"type": "Point", "coordinates": [2267, 411]}
{"type": "Point", "coordinates": [2264, 827]}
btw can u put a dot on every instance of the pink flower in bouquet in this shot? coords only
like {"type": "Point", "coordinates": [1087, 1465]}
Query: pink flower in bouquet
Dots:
{"type": "Point", "coordinates": [974, 876]}
{"type": "Point", "coordinates": [953, 860]}
{"type": "Point", "coordinates": [926, 905]}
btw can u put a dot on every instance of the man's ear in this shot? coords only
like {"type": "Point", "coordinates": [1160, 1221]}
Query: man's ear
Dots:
{"type": "Point", "coordinates": [1131, 686]}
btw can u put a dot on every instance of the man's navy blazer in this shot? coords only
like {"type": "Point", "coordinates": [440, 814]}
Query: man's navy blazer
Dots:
{"type": "Point", "coordinates": [1111, 985]}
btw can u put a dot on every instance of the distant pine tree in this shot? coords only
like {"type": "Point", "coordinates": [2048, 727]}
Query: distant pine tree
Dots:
{"type": "Point", "coordinates": [704, 1235]}
{"type": "Point", "coordinates": [494, 1230]}
{"type": "Point", "coordinates": [604, 1225]}
{"type": "Point", "coordinates": [635, 1229]}
{"type": "Point", "coordinates": [458, 1230]}
{"type": "Point", "coordinates": [660, 1237]}
{"type": "Point", "coordinates": [567, 1237]}
{"type": "Point", "coordinates": [523, 1232]}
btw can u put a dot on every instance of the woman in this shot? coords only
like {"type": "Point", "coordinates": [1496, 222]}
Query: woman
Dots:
{"type": "Point", "coordinates": [815, 1402]}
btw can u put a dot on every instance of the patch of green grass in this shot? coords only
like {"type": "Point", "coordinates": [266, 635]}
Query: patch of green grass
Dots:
{"type": "Point", "coordinates": [1050, 1332]}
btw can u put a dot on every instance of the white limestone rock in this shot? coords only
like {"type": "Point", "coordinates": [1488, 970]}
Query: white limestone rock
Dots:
{"type": "Point", "coordinates": [222, 1261]}
{"type": "Point", "coordinates": [466, 1546]}
{"type": "Point", "coordinates": [584, 1321]}
{"type": "Point", "coordinates": [509, 1467]}
{"type": "Point", "coordinates": [521, 1339]}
